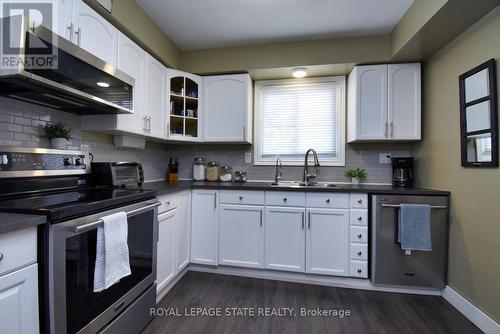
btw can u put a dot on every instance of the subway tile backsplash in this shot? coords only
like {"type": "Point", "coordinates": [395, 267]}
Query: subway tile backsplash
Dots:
{"type": "Point", "coordinates": [21, 125]}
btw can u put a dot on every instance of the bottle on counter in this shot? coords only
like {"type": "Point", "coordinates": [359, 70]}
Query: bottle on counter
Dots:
{"type": "Point", "coordinates": [212, 171]}
{"type": "Point", "coordinates": [199, 167]}
{"type": "Point", "coordinates": [173, 171]}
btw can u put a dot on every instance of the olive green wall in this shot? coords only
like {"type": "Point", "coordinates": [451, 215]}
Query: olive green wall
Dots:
{"type": "Point", "coordinates": [127, 16]}
{"type": "Point", "coordinates": [474, 251]}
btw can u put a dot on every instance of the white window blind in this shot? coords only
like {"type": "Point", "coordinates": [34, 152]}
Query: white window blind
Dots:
{"type": "Point", "coordinates": [293, 117]}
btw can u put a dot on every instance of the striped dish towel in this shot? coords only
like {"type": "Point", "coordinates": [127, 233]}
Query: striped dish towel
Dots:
{"type": "Point", "coordinates": [112, 256]}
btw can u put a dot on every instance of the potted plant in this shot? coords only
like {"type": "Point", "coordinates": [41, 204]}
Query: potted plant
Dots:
{"type": "Point", "coordinates": [356, 175]}
{"type": "Point", "coordinates": [58, 135]}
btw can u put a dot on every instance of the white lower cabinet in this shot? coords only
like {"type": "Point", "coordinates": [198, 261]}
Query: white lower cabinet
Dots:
{"type": "Point", "coordinates": [205, 227]}
{"type": "Point", "coordinates": [285, 238]}
{"type": "Point", "coordinates": [165, 271]}
{"type": "Point", "coordinates": [19, 301]}
{"type": "Point", "coordinates": [327, 242]}
{"type": "Point", "coordinates": [241, 235]}
{"type": "Point", "coordinates": [183, 231]}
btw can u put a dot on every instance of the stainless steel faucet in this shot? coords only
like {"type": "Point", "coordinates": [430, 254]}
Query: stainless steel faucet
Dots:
{"type": "Point", "coordinates": [277, 173]}
{"type": "Point", "coordinates": [308, 176]}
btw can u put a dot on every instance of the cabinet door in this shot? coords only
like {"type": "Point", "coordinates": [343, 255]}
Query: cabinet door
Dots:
{"type": "Point", "coordinates": [165, 259]}
{"type": "Point", "coordinates": [132, 60]}
{"type": "Point", "coordinates": [227, 106]}
{"type": "Point", "coordinates": [241, 236]}
{"type": "Point", "coordinates": [404, 101]}
{"type": "Point", "coordinates": [19, 301]}
{"type": "Point", "coordinates": [156, 76]}
{"type": "Point", "coordinates": [94, 34]}
{"type": "Point", "coordinates": [371, 98]}
{"type": "Point", "coordinates": [285, 239]}
{"type": "Point", "coordinates": [183, 231]}
{"type": "Point", "coordinates": [204, 227]}
{"type": "Point", "coordinates": [327, 242]}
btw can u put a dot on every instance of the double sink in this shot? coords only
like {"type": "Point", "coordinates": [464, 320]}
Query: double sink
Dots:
{"type": "Point", "coordinates": [300, 184]}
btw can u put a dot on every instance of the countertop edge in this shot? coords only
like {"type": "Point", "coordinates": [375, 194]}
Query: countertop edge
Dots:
{"type": "Point", "coordinates": [19, 221]}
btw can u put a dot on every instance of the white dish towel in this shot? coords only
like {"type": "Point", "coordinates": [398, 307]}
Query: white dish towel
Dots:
{"type": "Point", "coordinates": [112, 256]}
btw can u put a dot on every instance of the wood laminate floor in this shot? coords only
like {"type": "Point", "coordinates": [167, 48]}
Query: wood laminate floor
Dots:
{"type": "Point", "coordinates": [370, 312]}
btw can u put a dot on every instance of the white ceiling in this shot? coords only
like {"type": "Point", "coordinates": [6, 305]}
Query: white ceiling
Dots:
{"type": "Point", "coordinates": [201, 24]}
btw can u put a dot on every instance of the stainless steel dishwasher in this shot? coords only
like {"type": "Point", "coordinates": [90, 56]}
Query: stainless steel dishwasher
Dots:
{"type": "Point", "coordinates": [392, 266]}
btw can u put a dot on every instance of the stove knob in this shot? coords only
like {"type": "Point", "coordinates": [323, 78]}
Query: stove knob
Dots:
{"type": "Point", "coordinates": [69, 161]}
{"type": "Point", "coordinates": [78, 161]}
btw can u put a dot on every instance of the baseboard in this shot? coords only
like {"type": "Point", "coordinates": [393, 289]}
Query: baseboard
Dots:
{"type": "Point", "coordinates": [339, 282]}
{"type": "Point", "coordinates": [170, 285]}
{"type": "Point", "coordinates": [471, 312]}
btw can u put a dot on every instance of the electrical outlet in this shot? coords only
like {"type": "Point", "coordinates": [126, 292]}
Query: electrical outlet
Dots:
{"type": "Point", "coordinates": [248, 157]}
{"type": "Point", "coordinates": [385, 158]}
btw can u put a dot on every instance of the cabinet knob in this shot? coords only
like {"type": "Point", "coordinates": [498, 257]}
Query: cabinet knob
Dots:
{"type": "Point", "coordinates": [359, 253]}
{"type": "Point", "coordinates": [241, 197]}
{"type": "Point", "coordinates": [359, 236]}
{"type": "Point", "coordinates": [360, 218]}
{"type": "Point", "coordinates": [1, 256]}
{"type": "Point", "coordinates": [167, 202]}
{"type": "Point", "coordinates": [360, 201]}
{"type": "Point", "coordinates": [328, 200]}
{"type": "Point", "coordinates": [359, 271]}
{"type": "Point", "coordinates": [284, 199]}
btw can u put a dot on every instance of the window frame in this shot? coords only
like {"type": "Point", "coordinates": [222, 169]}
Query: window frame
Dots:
{"type": "Point", "coordinates": [341, 124]}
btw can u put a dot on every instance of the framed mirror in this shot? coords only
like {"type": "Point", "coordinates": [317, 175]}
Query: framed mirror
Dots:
{"type": "Point", "coordinates": [479, 116]}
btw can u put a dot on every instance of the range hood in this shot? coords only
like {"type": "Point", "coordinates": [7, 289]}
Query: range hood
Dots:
{"type": "Point", "coordinates": [73, 81]}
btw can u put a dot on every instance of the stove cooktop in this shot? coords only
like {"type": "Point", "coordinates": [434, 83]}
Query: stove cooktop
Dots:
{"type": "Point", "coordinates": [74, 203]}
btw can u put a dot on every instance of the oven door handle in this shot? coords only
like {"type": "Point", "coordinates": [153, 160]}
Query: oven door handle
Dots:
{"type": "Point", "coordinates": [90, 226]}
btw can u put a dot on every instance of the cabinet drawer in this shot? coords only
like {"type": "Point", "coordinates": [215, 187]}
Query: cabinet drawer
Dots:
{"type": "Point", "coordinates": [327, 200]}
{"type": "Point", "coordinates": [359, 217]}
{"type": "Point", "coordinates": [285, 198]}
{"type": "Point", "coordinates": [17, 249]}
{"type": "Point", "coordinates": [359, 234]}
{"type": "Point", "coordinates": [242, 197]}
{"type": "Point", "coordinates": [359, 201]}
{"type": "Point", "coordinates": [168, 202]}
{"type": "Point", "coordinates": [358, 251]}
{"type": "Point", "coordinates": [358, 269]}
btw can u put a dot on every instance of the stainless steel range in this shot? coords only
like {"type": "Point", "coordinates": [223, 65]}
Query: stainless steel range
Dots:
{"type": "Point", "coordinates": [57, 184]}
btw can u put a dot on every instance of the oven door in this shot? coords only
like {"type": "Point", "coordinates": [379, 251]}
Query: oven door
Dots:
{"type": "Point", "coordinates": [74, 307]}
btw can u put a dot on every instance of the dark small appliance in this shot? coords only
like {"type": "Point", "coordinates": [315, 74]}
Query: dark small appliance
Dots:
{"type": "Point", "coordinates": [117, 174]}
{"type": "Point", "coordinates": [402, 171]}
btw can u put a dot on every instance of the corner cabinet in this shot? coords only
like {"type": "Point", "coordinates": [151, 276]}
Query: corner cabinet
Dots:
{"type": "Point", "coordinates": [185, 103]}
{"type": "Point", "coordinates": [227, 108]}
{"type": "Point", "coordinates": [384, 103]}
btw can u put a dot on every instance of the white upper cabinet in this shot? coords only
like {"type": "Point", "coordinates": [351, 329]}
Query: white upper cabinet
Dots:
{"type": "Point", "coordinates": [384, 103]}
{"type": "Point", "coordinates": [94, 34]}
{"type": "Point", "coordinates": [185, 106]}
{"type": "Point", "coordinates": [228, 108]}
{"type": "Point", "coordinates": [155, 97]}
{"type": "Point", "coordinates": [404, 101]}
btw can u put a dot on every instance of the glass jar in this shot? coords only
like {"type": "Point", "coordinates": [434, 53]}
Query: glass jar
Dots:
{"type": "Point", "coordinates": [212, 171]}
{"type": "Point", "coordinates": [226, 174]}
{"type": "Point", "coordinates": [240, 176]}
{"type": "Point", "coordinates": [199, 167]}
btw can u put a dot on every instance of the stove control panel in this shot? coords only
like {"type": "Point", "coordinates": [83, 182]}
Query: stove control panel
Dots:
{"type": "Point", "coordinates": [25, 162]}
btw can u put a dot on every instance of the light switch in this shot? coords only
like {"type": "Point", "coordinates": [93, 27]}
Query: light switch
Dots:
{"type": "Point", "coordinates": [248, 157]}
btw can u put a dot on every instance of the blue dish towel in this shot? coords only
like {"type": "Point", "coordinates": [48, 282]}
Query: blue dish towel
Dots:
{"type": "Point", "coordinates": [414, 232]}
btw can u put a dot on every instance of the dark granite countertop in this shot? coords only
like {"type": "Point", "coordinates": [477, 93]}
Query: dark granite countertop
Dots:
{"type": "Point", "coordinates": [163, 187]}
{"type": "Point", "coordinates": [15, 221]}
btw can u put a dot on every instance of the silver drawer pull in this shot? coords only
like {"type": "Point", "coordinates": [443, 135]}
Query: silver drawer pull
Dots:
{"type": "Point", "coordinates": [328, 200]}
{"type": "Point", "coordinates": [360, 218]}
{"type": "Point", "coordinates": [359, 253]}
{"type": "Point", "coordinates": [1, 256]}
{"type": "Point", "coordinates": [284, 199]}
{"type": "Point", "coordinates": [167, 202]}
{"type": "Point", "coordinates": [241, 198]}
{"type": "Point", "coordinates": [359, 271]}
{"type": "Point", "coordinates": [360, 201]}
{"type": "Point", "coordinates": [359, 236]}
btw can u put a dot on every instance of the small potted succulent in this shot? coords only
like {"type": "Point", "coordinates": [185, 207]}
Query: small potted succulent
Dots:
{"type": "Point", "coordinates": [356, 175]}
{"type": "Point", "coordinates": [58, 135]}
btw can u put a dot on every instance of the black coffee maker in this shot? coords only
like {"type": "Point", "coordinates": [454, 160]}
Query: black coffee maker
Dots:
{"type": "Point", "coordinates": [402, 171]}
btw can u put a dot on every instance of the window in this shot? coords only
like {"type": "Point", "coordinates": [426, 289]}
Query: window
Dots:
{"type": "Point", "coordinates": [294, 115]}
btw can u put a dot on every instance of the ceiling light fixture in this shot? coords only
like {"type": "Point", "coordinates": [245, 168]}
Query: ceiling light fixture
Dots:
{"type": "Point", "coordinates": [103, 84]}
{"type": "Point", "coordinates": [299, 72]}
